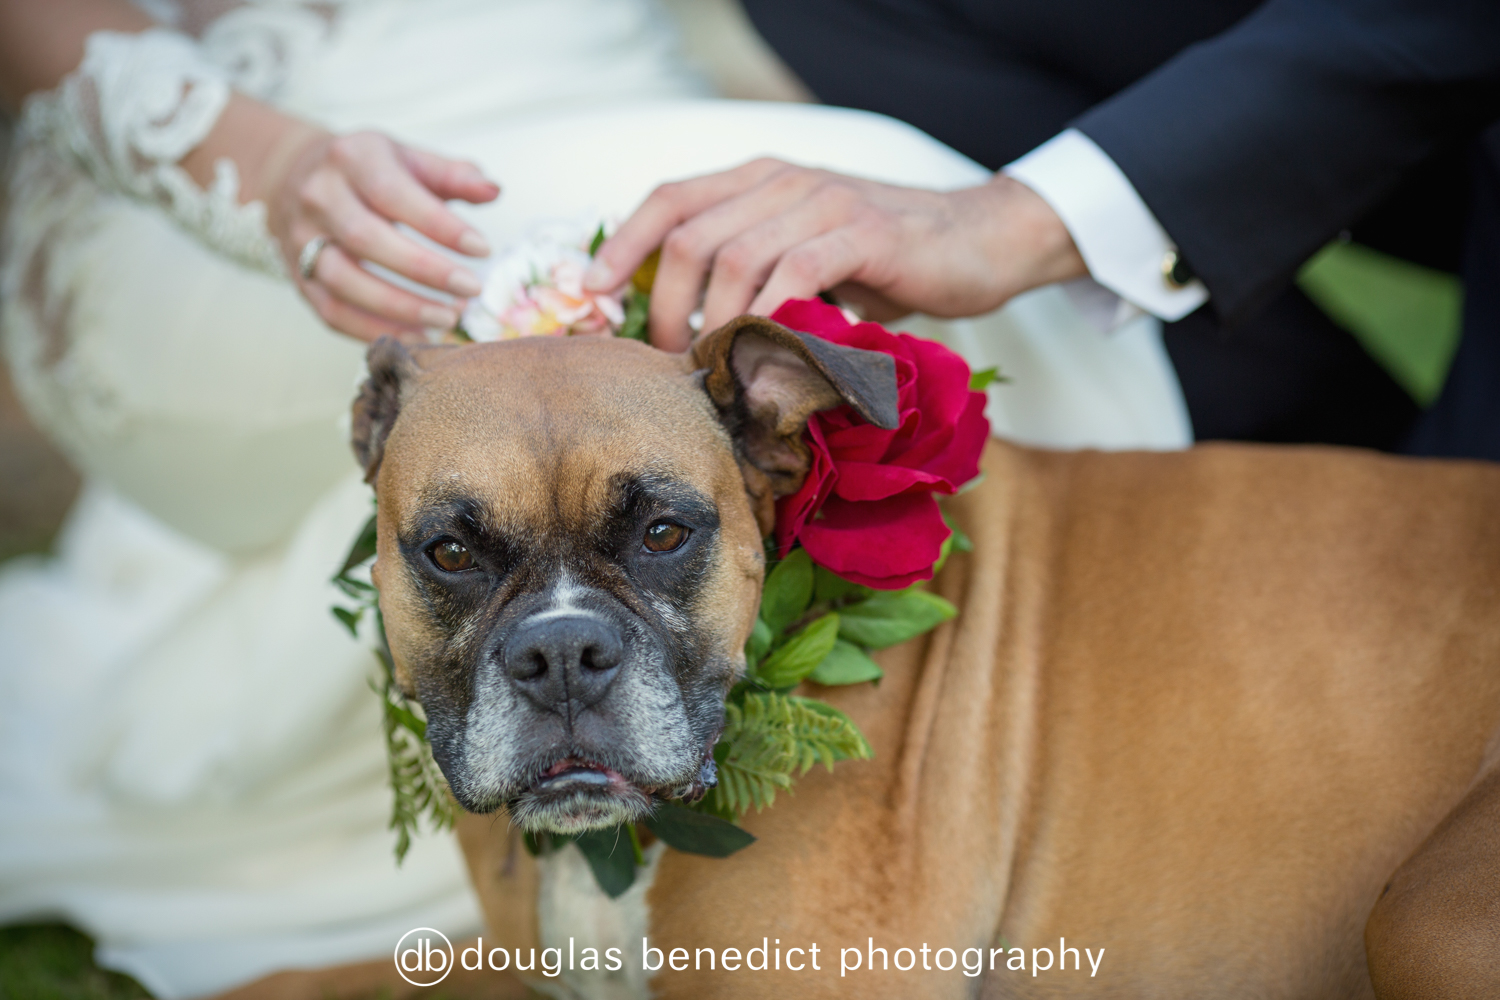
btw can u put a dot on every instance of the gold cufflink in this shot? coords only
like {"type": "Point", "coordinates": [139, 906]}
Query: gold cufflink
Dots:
{"type": "Point", "coordinates": [1175, 271]}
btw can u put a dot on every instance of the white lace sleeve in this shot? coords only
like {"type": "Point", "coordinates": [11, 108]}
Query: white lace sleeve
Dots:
{"type": "Point", "coordinates": [136, 105]}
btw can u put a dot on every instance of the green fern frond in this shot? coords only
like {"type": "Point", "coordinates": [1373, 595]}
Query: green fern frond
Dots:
{"type": "Point", "coordinates": [771, 738]}
{"type": "Point", "coordinates": [417, 784]}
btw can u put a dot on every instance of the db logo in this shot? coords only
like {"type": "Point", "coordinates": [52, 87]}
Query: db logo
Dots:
{"type": "Point", "coordinates": [424, 957]}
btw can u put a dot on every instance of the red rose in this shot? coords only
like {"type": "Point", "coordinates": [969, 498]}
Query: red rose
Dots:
{"type": "Point", "coordinates": [867, 510]}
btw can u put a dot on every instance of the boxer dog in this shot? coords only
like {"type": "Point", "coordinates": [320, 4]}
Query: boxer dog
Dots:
{"type": "Point", "coordinates": [1226, 721]}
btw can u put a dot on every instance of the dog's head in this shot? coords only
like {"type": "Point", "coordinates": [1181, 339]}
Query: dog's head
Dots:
{"type": "Point", "coordinates": [570, 548]}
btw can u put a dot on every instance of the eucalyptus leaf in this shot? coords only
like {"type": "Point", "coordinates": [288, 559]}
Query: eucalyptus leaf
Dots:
{"type": "Point", "coordinates": [696, 832]}
{"type": "Point", "coordinates": [788, 591]}
{"type": "Point", "coordinates": [846, 663]}
{"type": "Point", "coordinates": [889, 617]}
{"type": "Point", "coordinates": [610, 855]}
{"type": "Point", "coordinates": [802, 653]}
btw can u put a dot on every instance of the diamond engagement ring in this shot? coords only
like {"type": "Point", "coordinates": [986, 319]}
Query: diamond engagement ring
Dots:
{"type": "Point", "coordinates": [307, 260]}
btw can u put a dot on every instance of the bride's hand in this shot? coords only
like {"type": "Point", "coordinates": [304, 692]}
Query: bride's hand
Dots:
{"type": "Point", "coordinates": [768, 231]}
{"type": "Point", "coordinates": [351, 190]}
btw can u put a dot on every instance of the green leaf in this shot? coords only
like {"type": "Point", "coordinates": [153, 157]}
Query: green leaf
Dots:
{"type": "Point", "coordinates": [829, 586]}
{"type": "Point", "coordinates": [758, 644]}
{"type": "Point", "coordinates": [635, 845]}
{"type": "Point", "coordinates": [889, 617]}
{"type": "Point", "coordinates": [980, 380]}
{"type": "Point", "coordinates": [637, 311]}
{"type": "Point", "coordinates": [801, 655]}
{"type": "Point", "coordinates": [788, 591]}
{"type": "Point", "coordinates": [853, 745]}
{"type": "Point", "coordinates": [349, 618]}
{"type": "Point", "coordinates": [696, 832]}
{"type": "Point", "coordinates": [597, 241]}
{"type": "Point", "coordinates": [418, 788]}
{"type": "Point", "coordinates": [610, 855]}
{"type": "Point", "coordinates": [846, 663]}
{"type": "Point", "coordinates": [956, 541]}
{"type": "Point", "coordinates": [355, 589]}
{"type": "Point", "coordinates": [363, 549]}
{"type": "Point", "coordinates": [768, 738]}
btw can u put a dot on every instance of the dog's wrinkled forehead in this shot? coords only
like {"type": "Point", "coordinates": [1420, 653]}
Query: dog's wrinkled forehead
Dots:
{"type": "Point", "coordinates": [545, 434]}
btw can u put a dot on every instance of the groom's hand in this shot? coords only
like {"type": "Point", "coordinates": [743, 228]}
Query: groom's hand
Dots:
{"type": "Point", "coordinates": [768, 231]}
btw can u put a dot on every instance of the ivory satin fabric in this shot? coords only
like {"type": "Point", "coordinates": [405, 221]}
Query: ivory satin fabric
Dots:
{"type": "Point", "coordinates": [191, 766]}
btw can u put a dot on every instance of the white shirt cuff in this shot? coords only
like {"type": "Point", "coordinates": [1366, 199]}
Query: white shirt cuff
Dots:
{"type": "Point", "coordinates": [1120, 240]}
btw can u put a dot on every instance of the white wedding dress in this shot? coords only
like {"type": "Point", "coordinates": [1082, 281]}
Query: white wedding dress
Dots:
{"type": "Point", "coordinates": [191, 766]}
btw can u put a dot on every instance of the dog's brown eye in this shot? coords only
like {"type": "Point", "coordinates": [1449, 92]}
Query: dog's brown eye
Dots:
{"type": "Point", "coordinates": [664, 536]}
{"type": "Point", "coordinates": [452, 557]}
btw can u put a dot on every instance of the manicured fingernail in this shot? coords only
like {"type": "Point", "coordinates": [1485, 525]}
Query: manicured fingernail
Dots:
{"type": "Point", "coordinates": [599, 277]}
{"type": "Point", "coordinates": [438, 318]}
{"type": "Point", "coordinates": [464, 283]}
{"type": "Point", "coordinates": [473, 244]}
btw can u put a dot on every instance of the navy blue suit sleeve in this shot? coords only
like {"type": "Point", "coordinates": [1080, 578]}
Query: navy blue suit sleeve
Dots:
{"type": "Point", "coordinates": [1256, 147]}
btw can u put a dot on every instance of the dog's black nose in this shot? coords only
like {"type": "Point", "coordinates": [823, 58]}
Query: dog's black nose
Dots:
{"type": "Point", "coordinates": [563, 661]}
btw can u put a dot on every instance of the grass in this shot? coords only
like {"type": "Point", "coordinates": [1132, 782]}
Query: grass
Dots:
{"type": "Point", "coordinates": [55, 962]}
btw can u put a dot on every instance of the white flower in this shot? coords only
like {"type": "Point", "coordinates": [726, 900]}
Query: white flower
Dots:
{"type": "Point", "coordinates": [536, 289]}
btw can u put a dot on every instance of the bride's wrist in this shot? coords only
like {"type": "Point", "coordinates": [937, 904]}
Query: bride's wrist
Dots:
{"type": "Point", "coordinates": [262, 142]}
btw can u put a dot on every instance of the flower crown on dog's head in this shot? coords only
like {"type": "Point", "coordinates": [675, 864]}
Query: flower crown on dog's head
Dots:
{"type": "Point", "coordinates": [850, 549]}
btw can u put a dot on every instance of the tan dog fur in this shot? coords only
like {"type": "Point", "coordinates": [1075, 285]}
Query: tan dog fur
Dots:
{"type": "Point", "coordinates": [1198, 709]}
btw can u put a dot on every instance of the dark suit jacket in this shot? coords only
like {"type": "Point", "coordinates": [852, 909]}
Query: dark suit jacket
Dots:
{"type": "Point", "coordinates": [1255, 132]}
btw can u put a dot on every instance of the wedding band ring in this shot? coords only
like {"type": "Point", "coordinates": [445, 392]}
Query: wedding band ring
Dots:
{"type": "Point", "coordinates": [307, 260]}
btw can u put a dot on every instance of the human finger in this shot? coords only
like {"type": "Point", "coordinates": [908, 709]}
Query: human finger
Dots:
{"type": "Point", "coordinates": [339, 212]}
{"type": "Point", "coordinates": [663, 210]}
{"type": "Point", "coordinates": [449, 178]}
{"type": "Point", "coordinates": [744, 263]}
{"type": "Point", "coordinates": [351, 320]}
{"type": "Point", "coordinates": [343, 276]}
{"type": "Point", "coordinates": [384, 181]}
{"type": "Point", "coordinates": [691, 250]}
{"type": "Point", "coordinates": [809, 268]}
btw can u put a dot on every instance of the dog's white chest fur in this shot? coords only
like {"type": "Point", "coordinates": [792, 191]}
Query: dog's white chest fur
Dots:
{"type": "Point", "coordinates": [570, 904]}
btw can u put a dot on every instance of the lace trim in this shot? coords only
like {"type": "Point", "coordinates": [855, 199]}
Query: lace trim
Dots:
{"type": "Point", "coordinates": [135, 106]}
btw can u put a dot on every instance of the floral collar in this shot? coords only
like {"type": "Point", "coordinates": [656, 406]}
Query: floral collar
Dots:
{"type": "Point", "coordinates": [851, 551]}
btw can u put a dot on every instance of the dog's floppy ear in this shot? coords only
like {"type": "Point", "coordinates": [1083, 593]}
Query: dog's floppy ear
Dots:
{"type": "Point", "coordinates": [767, 380]}
{"type": "Point", "coordinates": [392, 369]}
